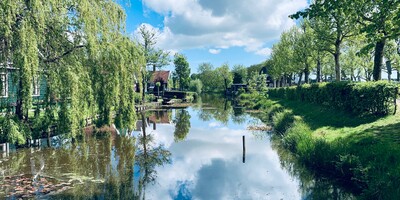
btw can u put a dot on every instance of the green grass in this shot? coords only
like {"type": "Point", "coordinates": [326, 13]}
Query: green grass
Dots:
{"type": "Point", "coordinates": [363, 152]}
{"type": "Point", "coordinates": [332, 124]}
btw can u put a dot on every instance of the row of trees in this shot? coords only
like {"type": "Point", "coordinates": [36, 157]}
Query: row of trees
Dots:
{"type": "Point", "coordinates": [342, 40]}
{"type": "Point", "coordinates": [221, 78]}
{"type": "Point", "coordinates": [80, 49]}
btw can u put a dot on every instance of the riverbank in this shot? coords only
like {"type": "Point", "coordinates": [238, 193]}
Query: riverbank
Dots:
{"type": "Point", "coordinates": [361, 153]}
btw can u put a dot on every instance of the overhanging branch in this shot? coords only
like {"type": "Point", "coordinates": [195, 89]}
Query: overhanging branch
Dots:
{"type": "Point", "coordinates": [55, 59]}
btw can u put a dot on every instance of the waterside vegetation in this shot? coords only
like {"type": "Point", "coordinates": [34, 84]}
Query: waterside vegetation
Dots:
{"type": "Point", "coordinates": [359, 150]}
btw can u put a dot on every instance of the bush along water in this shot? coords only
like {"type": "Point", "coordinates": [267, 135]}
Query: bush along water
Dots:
{"type": "Point", "coordinates": [376, 98]}
{"type": "Point", "coordinates": [368, 166]}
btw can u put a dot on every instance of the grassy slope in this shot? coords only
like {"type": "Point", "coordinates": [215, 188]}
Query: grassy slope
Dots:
{"type": "Point", "coordinates": [333, 124]}
{"type": "Point", "coordinates": [361, 151]}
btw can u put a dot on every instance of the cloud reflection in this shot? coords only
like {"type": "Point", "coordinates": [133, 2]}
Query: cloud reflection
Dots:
{"type": "Point", "coordinates": [208, 165]}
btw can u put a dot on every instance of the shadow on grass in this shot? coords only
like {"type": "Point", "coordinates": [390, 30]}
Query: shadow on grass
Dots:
{"type": "Point", "coordinates": [385, 133]}
{"type": "Point", "coordinates": [317, 116]}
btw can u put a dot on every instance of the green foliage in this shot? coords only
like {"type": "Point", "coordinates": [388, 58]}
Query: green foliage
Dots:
{"type": "Point", "coordinates": [335, 24]}
{"type": "Point", "coordinates": [182, 70]}
{"type": "Point", "coordinates": [257, 82]}
{"type": "Point", "coordinates": [196, 86]}
{"type": "Point", "coordinates": [239, 74]}
{"type": "Point", "coordinates": [282, 121]}
{"type": "Point", "coordinates": [252, 100]}
{"type": "Point", "coordinates": [182, 124]}
{"type": "Point", "coordinates": [14, 131]}
{"type": "Point", "coordinates": [87, 61]}
{"type": "Point", "coordinates": [376, 98]}
{"type": "Point", "coordinates": [224, 76]}
{"type": "Point", "coordinates": [207, 76]}
{"type": "Point", "coordinates": [215, 80]}
{"type": "Point", "coordinates": [364, 156]}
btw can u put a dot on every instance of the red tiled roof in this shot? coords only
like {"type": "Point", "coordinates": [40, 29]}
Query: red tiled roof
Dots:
{"type": "Point", "coordinates": [160, 76]}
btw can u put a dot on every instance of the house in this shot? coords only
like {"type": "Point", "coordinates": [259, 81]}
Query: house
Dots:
{"type": "Point", "coordinates": [158, 76]}
{"type": "Point", "coordinates": [9, 89]}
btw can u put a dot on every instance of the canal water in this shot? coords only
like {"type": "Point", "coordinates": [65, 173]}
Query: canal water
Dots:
{"type": "Point", "coordinates": [202, 152]}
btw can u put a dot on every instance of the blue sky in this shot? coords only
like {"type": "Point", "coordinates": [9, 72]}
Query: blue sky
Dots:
{"type": "Point", "coordinates": [215, 31]}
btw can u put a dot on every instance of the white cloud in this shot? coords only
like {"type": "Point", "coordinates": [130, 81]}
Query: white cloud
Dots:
{"type": "Point", "coordinates": [214, 124]}
{"type": "Point", "coordinates": [225, 23]}
{"type": "Point", "coordinates": [264, 52]}
{"type": "Point", "coordinates": [214, 51]}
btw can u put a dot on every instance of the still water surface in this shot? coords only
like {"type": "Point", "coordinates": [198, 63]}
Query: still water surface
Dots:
{"type": "Point", "coordinates": [193, 153]}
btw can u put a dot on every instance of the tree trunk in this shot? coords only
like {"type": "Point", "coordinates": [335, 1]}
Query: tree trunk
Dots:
{"type": "Point", "coordinates": [307, 74]}
{"type": "Point", "coordinates": [300, 77]}
{"type": "Point", "coordinates": [154, 68]}
{"type": "Point", "coordinates": [337, 65]}
{"type": "Point", "coordinates": [18, 107]}
{"type": "Point", "coordinates": [226, 85]}
{"type": "Point", "coordinates": [143, 87]}
{"type": "Point", "coordinates": [389, 69]}
{"type": "Point", "coordinates": [318, 70]}
{"type": "Point", "coordinates": [379, 48]}
{"type": "Point", "coordinates": [398, 75]}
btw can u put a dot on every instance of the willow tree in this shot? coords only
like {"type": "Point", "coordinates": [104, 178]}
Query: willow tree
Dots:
{"type": "Point", "coordinates": [72, 45]}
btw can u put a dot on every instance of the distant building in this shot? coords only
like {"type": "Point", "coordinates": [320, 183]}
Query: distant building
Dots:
{"type": "Point", "coordinates": [158, 76]}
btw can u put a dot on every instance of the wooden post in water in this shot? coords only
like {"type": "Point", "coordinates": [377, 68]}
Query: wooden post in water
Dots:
{"type": "Point", "coordinates": [244, 149]}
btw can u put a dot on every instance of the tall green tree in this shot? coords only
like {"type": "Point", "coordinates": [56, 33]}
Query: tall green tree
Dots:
{"type": "Point", "coordinates": [225, 75]}
{"type": "Point", "coordinates": [239, 74]}
{"type": "Point", "coordinates": [335, 25]}
{"type": "Point", "coordinates": [207, 76]}
{"type": "Point", "coordinates": [155, 57]}
{"type": "Point", "coordinates": [303, 49]}
{"type": "Point", "coordinates": [283, 60]}
{"type": "Point", "coordinates": [380, 23]}
{"type": "Point", "coordinates": [182, 70]}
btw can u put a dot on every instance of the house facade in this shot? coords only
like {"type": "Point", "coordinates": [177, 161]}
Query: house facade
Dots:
{"type": "Point", "coordinates": [9, 90]}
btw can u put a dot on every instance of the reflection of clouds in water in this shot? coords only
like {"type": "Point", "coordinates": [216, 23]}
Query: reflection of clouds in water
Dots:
{"type": "Point", "coordinates": [208, 165]}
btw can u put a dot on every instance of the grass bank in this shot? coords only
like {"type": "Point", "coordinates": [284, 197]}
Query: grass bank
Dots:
{"type": "Point", "coordinates": [362, 153]}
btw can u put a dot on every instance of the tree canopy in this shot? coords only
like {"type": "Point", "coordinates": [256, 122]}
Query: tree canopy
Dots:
{"type": "Point", "coordinates": [182, 70]}
{"type": "Point", "coordinates": [81, 50]}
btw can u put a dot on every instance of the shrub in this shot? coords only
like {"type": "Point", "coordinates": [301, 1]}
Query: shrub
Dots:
{"type": "Point", "coordinates": [273, 110]}
{"type": "Point", "coordinates": [282, 121]}
{"type": "Point", "coordinates": [296, 134]}
{"type": "Point", "coordinates": [196, 86]}
{"type": "Point", "coordinates": [375, 98]}
{"type": "Point", "coordinates": [14, 131]}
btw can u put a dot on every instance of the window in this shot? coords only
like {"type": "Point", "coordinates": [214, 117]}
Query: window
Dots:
{"type": "Point", "coordinates": [3, 85]}
{"type": "Point", "coordinates": [36, 87]}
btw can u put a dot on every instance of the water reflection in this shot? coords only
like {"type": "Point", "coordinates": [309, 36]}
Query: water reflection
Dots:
{"type": "Point", "coordinates": [194, 153]}
{"type": "Point", "coordinates": [311, 186]}
{"type": "Point", "coordinates": [149, 155]}
{"type": "Point", "coordinates": [182, 124]}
